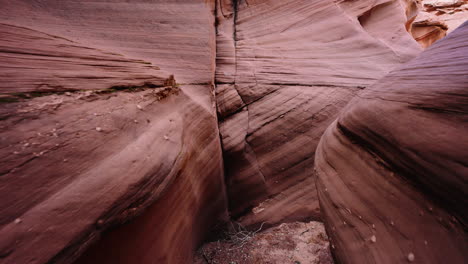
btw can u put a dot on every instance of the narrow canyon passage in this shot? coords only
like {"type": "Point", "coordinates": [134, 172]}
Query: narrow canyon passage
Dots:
{"type": "Point", "coordinates": [232, 131]}
{"type": "Point", "coordinates": [284, 71]}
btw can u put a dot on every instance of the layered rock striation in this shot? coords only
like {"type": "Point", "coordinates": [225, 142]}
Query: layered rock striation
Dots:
{"type": "Point", "coordinates": [131, 129]}
{"type": "Point", "coordinates": [391, 169]}
{"type": "Point", "coordinates": [437, 18]}
{"type": "Point", "coordinates": [99, 146]}
{"type": "Point", "coordinates": [284, 71]}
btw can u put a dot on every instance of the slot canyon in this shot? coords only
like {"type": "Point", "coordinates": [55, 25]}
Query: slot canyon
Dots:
{"type": "Point", "coordinates": [233, 131]}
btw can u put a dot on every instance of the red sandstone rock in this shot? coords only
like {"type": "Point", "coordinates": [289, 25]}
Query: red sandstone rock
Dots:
{"type": "Point", "coordinates": [106, 159]}
{"type": "Point", "coordinates": [437, 18]}
{"type": "Point", "coordinates": [36, 62]}
{"type": "Point", "coordinates": [284, 71]}
{"type": "Point", "coordinates": [391, 173]}
{"type": "Point", "coordinates": [426, 32]}
{"type": "Point", "coordinates": [114, 141]}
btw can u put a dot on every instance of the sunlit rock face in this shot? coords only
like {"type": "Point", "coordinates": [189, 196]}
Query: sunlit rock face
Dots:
{"type": "Point", "coordinates": [391, 169]}
{"type": "Point", "coordinates": [284, 71]}
{"type": "Point", "coordinates": [437, 18]}
{"type": "Point", "coordinates": [108, 131]}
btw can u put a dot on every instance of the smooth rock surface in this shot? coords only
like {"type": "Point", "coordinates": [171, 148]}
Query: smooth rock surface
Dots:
{"type": "Point", "coordinates": [177, 36]}
{"type": "Point", "coordinates": [97, 141]}
{"type": "Point", "coordinates": [284, 71]}
{"type": "Point", "coordinates": [392, 174]}
{"type": "Point", "coordinates": [36, 62]}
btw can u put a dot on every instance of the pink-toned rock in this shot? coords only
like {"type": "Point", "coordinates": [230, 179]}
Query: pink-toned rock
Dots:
{"type": "Point", "coordinates": [393, 165]}
{"type": "Point", "coordinates": [177, 36]}
{"type": "Point", "coordinates": [427, 29]}
{"type": "Point", "coordinates": [438, 18]}
{"type": "Point", "coordinates": [50, 63]}
{"type": "Point", "coordinates": [284, 71]}
{"type": "Point", "coordinates": [101, 152]}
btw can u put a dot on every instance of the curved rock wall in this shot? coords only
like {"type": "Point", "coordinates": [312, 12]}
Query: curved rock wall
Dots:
{"type": "Point", "coordinates": [177, 36]}
{"type": "Point", "coordinates": [392, 169]}
{"type": "Point", "coordinates": [109, 131]}
{"type": "Point", "coordinates": [284, 71]}
{"type": "Point", "coordinates": [96, 140]}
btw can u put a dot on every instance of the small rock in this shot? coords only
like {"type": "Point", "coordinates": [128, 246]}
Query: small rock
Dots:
{"type": "Point", "coordinates": [26, 145]}
{"type": "Point", "coordinates": [410, 257]}
{"type": "Point", "coordinates": [139, 107]}
{"type": "Point", "coordinates": [425, 242]}
{"type": "Point", "coordinates": [100, 222]}
{"type": "Point", "coordinates": [135, 121]}
{"type": "Point", "coordinates": [95, 114]}
{"type": "Point", "coordinates": [68, 94]}
{"type": "Point", "coordinates": [98, 129]}
{"type": "Point", "coordinates": [373, 239]}
{"type": "Point", "coordinates": [166, 137]}
{"type": "Point", "coordinates": [17, 221]}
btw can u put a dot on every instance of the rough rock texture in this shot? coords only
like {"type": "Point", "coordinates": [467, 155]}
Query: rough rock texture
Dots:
{"type": "Point", "coordinates": [392, 174]}
{"type": "Point", "coordinates": [284, 71]}
{"type": "Point", "coordinates": [437, 18]}
{"type": "Point", "coordinates": [92, 135]}
{"type": "Point", "coordinates": [304, 243]}
{"type": "Point", "coordinates": [428, 31]}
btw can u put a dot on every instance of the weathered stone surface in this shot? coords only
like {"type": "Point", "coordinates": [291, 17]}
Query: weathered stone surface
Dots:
{"type": "Point", "coordinates": [437, 18]}
{"type": "Point", "coordinates": [109, 131]}
{"type": "Point", "coordinates": [428, 31]}
{"type": "Point", "coordinates": [93, 135]}
{"type": "Point", "coordinates": [36, 62]}
{"type": "Point", "coordinates": [284, 71]}
{"type": "Point", "coordinates": [392, 175]}
{"type": "Point", "coordinates": [287, 243]}
{"type": "Point", "coordinates": [177, 36]}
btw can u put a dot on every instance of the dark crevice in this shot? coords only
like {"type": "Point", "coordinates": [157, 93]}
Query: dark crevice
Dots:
{"type": "Point", "coordinates": [235, 7]}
